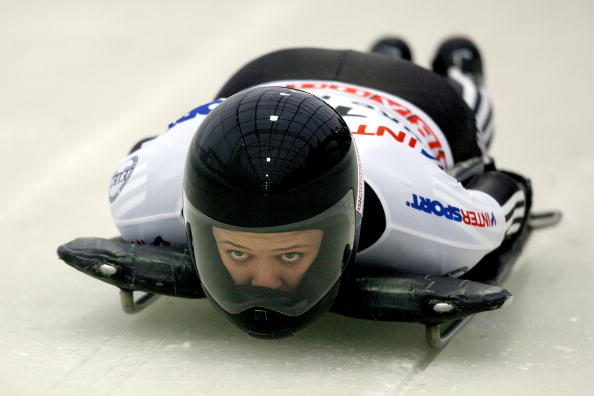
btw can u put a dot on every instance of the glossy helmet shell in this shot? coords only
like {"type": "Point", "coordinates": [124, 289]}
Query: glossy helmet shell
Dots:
{"type": "Point", "coordinates": [271, 158]}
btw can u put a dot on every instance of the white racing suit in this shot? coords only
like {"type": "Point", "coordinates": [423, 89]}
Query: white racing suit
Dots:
{"type": "Point", "coordinates": [429, 223]}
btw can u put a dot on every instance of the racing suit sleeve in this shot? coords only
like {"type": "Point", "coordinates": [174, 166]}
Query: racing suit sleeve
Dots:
{"type": "Point", "coordinates": [433, 223]}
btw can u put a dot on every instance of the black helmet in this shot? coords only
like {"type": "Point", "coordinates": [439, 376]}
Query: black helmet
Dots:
{"type": "Point", "coordinates": [272, 199]}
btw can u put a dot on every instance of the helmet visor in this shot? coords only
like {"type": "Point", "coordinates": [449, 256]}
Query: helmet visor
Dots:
{"type": "Point", "coordinates": [286, 268]}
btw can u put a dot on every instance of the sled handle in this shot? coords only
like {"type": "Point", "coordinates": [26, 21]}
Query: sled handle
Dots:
{"type": "Point", "coordinates": [544, 219]}
{"type": "Point", "coordinates": [131, 306]}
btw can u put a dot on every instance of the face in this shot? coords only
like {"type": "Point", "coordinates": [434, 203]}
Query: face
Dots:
{"type": "Point", "coordinates": [273, 260]}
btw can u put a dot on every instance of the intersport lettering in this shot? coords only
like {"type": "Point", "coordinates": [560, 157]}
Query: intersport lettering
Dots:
{"type": "Point", "coordinates": [452, 213]}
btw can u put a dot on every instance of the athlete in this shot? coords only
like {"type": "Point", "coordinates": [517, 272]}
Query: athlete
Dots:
{"type": "Point", "coordinates": [312, 162]}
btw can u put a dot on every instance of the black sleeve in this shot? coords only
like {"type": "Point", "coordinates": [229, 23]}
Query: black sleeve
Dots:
{"type": "Point", "coordinates": [511, 191]}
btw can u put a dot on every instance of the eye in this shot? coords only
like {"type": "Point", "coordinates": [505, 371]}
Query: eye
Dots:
{"type": "Point", "coordinates": [291, 257]}
{"type": "Point", "coordinates": [237, 255]}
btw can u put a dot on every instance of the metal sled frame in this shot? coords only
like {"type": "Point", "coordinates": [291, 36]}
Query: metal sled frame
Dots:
{"type": "Point", "coordinates": [131, 306]}
{"type": "Point", "coordinates": [439, 335]}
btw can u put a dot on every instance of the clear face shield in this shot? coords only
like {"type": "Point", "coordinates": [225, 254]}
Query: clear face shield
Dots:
{"type": "Point", "coordinates": [286, 268]}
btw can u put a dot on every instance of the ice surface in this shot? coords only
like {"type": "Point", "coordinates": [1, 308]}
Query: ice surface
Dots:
{"type": "Point", "coordinates": [83, 81]}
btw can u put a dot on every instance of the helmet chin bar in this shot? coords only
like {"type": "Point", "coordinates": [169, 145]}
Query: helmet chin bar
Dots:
{"type": "Point", "coordinates": [266, 323]}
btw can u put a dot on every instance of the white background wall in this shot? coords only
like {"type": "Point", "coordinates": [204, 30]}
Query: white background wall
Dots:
{"type": "Point", "coordinates": [82, 81]}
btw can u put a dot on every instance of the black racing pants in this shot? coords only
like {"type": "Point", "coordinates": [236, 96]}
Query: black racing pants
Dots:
{"type": "Point", "coordinates": [429, 91]}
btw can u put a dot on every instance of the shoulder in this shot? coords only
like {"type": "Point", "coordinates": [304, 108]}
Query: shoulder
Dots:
{"type": "Point", "coordinates": [197, 113]}
{"type": "Point", "coordinates": [146, 188]}
{"type": "Point", "coordinates": [174, 141]}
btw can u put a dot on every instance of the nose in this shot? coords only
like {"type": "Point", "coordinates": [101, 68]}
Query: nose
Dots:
{"type": "Point", "coordinates": [265, 276]}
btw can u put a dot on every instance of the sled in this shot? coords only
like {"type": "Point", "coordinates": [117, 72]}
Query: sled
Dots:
{"type": "Point", "coordinates": [443, 304]}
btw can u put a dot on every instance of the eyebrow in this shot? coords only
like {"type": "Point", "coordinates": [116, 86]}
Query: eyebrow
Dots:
{"type": "Point", "coordinates": [274, 250]}
{"type": "Point", "coordinates": [236, 245]}
{"type": "Point", "coordinates": [292, 247]}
